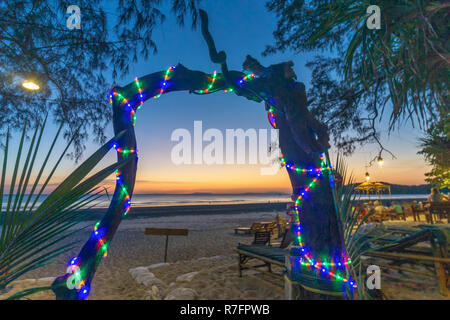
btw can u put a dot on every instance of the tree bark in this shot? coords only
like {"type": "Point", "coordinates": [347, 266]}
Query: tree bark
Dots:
{"type": "Point", "coordinates": [302, 140]}
{"type": "Point", "coordinates": [90, 255]}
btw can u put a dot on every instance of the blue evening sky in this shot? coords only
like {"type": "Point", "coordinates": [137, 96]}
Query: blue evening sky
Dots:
{"type": "Point", "coordinates": [239, 27]}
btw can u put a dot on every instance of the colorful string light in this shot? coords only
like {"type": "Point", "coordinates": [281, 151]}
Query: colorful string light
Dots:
{"type": "Point", "coordinates": [247, 78]}
{"type": "Point", "coordinates": [127, 104]}
{"type": "Point", "coordinates": [140, 93]}
{"type": "Point", "coordinates": [306, 259]}
{"type": "Point", "coordinates": [294, 168]}
{"type": "Point", "coordinates": [127, 198]}
{"type": "Point", "coordinates": [210, 86]}
{"type": "Point", "coordinates": [167, 77]}
{"type": "Point", "coordinates": [271, 117]}
{"type": "Point", "coordinates": [75, 274]}
{"type": "Point", "coordinates": [123, 151]}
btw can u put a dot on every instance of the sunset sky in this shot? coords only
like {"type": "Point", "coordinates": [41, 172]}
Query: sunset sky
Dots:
{"type": "Point", "coordinates": [239, 27]}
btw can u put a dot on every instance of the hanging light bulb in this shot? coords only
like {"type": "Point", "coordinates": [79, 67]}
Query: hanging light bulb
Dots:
{"type": "Point", "coordinates": [30, 85]}
{"type": "Point", "coordinates": [380, 161]}
{"type": "Point", "coordinates": [367, 176]}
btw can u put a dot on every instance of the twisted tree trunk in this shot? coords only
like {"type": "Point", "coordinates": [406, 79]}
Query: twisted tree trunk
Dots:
{"type": "Point", "coordinates": [302, 140]}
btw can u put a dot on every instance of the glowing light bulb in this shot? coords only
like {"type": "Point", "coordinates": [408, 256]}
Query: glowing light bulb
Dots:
{"type": "Point", "coordinates": [30, 85]}
{"type": "Point", "coordinates": [380, 161]}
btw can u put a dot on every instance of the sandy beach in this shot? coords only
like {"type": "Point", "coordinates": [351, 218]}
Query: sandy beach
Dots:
{"type": "Point", "coordinates": [207, 248]}
{"type": "Point", "coordinates": [200, 266]}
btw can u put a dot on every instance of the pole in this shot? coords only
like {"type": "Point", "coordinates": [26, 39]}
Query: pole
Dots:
{"type": "Point", "coordinates": [167, 244]}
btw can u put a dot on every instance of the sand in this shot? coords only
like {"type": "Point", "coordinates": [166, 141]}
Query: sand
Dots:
{"type": "Point", "coordinates": [207, 251]}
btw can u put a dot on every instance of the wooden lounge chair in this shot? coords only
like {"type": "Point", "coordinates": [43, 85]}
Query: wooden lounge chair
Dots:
{"type": "Point", "coordinates": [256, 226]}
{"type": "Point", "coordinates": [262, 238]}
{"type": "Point", "coordinates": [402, 250]}
{"type": "Point", "coordinates": [269, 255]}
{"type": "Point", "coordinates": [272, 228]}
{"type": "Point", "coordinates": [282, 225]}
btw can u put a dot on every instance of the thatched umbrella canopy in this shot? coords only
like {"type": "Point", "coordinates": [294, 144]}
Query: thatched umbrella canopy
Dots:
{"type": "Point", "coordinates": [373, 188]}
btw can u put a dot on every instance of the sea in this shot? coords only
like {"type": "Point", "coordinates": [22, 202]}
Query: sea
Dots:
{"type": "Point", "coordinates": [145, 200]}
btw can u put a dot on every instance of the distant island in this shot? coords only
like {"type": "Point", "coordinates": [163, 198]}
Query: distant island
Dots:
{"type": "Point", "coordinates": [395, 189]}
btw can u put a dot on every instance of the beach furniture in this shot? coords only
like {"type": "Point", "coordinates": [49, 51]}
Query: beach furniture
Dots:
{"type": "Point", "coordinates": [440, 210]}
{"type": "Point", "coordinates": [425, 251]}
{"type": "Point", "coordinates": [262, 238]}
{"type": "Point", "coordinates": [167, 233]}
{"type": "Point", "coordinates": [268, 255]}
{"type": "Point", "coordinates": [417, 211]}
{"type": "Point", "coordinates": [261, 226]}
{"type": "Point", "coordinates": [256, 226]}
{"type": "Point", "coordinates": [281, 225]}
{"type": "Point", "coordinates": [408, 209]}
{"type": "Point", "coordinates": [272, 228]}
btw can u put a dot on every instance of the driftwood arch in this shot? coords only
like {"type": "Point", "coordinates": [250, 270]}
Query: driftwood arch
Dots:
{"type": "Point", "coordinates": [303, 142]}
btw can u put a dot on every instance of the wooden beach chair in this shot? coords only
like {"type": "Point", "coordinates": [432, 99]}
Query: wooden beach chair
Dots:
{"type": "Point", "coordinates": [268, 255]}
{"type": "Point", "coordinates": [256, 226]}
{"type": "Point", "coordinates": [272, 228]}
{"type": "Point", "coordinates": [401, 247]}
{"type": "Point", "coordinates": [282, 225]}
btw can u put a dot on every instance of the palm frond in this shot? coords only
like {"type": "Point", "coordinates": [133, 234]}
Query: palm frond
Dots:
{"type": "Point", "coordinates": [34, 234]}
{"type": "Point", "coordinates": [356, 242]}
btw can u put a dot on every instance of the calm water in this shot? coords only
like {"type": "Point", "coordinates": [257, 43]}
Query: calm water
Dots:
{"type": "Point", "coordinates": [190, 199]}
{"type": "Point", "coordinates": [140, 200]}
{"type": "Point", "coordinates": [393, 197]}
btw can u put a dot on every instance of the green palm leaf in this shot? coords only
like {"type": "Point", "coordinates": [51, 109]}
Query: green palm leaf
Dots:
{"type": "Point", "coordinates": [33, 236]}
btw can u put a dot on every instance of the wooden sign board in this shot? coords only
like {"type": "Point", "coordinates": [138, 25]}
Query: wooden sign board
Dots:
{"type": "Point", "coordinates": [166, 232]}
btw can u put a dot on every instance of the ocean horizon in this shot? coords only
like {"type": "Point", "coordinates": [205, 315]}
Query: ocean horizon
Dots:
{"type": "Point", "coordinates": [204, 198]}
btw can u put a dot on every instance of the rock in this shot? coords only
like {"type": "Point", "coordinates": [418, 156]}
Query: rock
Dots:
{"type": "Point", "coordinates": [154, 282]}
{"type": "Point", "coordinates": [187, 277]}
{"type": "Point", "coordinates": [148, 279]}
{"type": "Point", "coordinates": [153, 294]}
{"type": "Point", "coordinates": [181, 294]}
{"type": "Point", "coordinates": [171, 286]}
{"type": "Point", "coordinates": [137, 271]}
{"type": "Point", "coordinates": [209, 258]}
{"type": "Point", "coordinates": [142, 276]}
{"type": "Point", "coordinates": [158, 265]}
{"type": "Point", "coordinates": [156, 294]}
